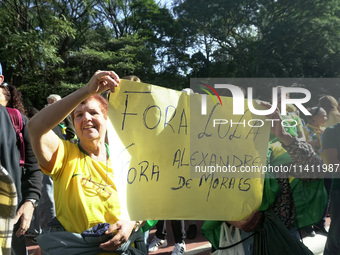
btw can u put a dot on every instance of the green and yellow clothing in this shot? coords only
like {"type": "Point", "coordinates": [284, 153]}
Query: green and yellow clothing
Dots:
{"type": "Point", "coordinates": [314, 133]}
{"type": "Point", "coordinates": [279, 188]}
{"type": "Point", "coordinates": [292, 125]}
{"type": "Point", "coordinates": [84, 189]}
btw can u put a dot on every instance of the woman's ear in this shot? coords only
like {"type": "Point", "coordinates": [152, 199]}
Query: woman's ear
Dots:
{"type": "Point", "coordinates": [1, 79]}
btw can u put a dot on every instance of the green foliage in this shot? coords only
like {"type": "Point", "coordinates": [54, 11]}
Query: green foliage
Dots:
{"type": "Point", "coordinates": [54, 46]}
{"type": "Point", "coordinates": [34, 94]}
{"type": "Point", "coordinates": [262, 38]}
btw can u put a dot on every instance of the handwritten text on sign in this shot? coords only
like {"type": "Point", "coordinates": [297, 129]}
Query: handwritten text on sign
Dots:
{"type": "Point", "coordinates": [158, 141]}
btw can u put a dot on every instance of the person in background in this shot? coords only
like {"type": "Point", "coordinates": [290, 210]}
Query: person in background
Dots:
{"type": "Point", "coordinates": [330, 105]}
{"type": "Point", "coordinates": [31, 111]}
{"type": "Point", "coordinates": [160, 237]}
{"type": "Point", "coordinates": [192, 230]}
{"type": "Point", "coordinates": [132, 78]}
{"type": "Point", "coordinates": [65, 128]}
{"type": "Point", "coordinates": [27, 179]}
{"type": "Point", "coordinates": [331, 147]}
{"type": "Point", "coordinates": [8, 201]}
{"type": "Point", "coordinates": [313, 131]}
{"type": "Point", "coordinates": [315, 127]}
{"type": "Point", "coordinates": [52, 99]}
{"type": "Point", "coordinates": [11, 97]}
{"type": "Point", "coordinates": [86, 199]}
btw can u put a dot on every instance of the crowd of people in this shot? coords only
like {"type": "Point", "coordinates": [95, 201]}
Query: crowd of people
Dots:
{"type": "Point", "coordinates": [67, 197]}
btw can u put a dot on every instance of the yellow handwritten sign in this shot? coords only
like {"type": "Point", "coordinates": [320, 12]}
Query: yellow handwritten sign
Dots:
{"type": "Point", "coordinates": [162, 147]}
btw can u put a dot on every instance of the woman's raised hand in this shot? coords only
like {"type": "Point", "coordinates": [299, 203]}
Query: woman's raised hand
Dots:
{"type": "Point", "coordinates": [102, 81]}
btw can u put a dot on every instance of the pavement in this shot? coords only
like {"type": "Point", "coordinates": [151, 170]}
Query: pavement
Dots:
{"type": "Point", "coordinates": [201, 246]}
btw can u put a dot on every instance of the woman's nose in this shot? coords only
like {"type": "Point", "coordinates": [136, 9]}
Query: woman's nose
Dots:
{"type": "Point", "coordinates": [86, 116]}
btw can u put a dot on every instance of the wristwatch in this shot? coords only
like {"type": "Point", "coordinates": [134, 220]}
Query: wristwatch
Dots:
{"type": "Point", "coordinates": [33, 201]}
{"type": "Point", "coordinates": [137, 226]}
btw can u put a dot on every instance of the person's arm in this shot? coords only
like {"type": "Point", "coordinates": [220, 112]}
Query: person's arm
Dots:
{"type": "Point", "coordinates": [303, 154]}
{"type": "Point", "coordinates": [44, 141]}
{"type": "Point", "coordinates": [32, 177]}
{"type": "Point", "coordinates": [31, 185]}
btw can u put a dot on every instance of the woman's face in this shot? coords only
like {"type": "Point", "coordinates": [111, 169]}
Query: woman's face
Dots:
{"type": "Point", "coordinates": [89, 121]}
{"type": "Point", "coordinates": [320, 118]}
{"type": "Point", "coordinates": [3, 97]}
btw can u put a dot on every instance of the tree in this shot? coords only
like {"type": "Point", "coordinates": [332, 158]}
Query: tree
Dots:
{"type": "Point", "coordinates": [47, 42]}
{"type": "Point", "coordinates": [262, 38]}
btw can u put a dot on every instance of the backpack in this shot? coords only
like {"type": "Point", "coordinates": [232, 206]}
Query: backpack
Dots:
{"type": "Point", "coordinates": [16, 119]}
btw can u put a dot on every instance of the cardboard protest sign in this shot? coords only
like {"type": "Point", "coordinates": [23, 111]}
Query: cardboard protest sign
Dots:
{"type": "Point", "coordinates": [161, 147]}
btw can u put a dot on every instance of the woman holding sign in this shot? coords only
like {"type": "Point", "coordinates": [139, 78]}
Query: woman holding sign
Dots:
{"type": "Point", "coordinates": [86, 199]}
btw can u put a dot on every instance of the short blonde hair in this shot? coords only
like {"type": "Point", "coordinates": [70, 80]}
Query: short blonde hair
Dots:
{"type": "Point", "coordinates": [328, 103]}
{"type": "Point", "coordinates": [54, 97]}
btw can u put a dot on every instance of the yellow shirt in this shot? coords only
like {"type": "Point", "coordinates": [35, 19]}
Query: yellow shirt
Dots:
{"type": "Point", "coordinates": [80, 203]}
{"type": "Point", "coordinates": [313, 133]}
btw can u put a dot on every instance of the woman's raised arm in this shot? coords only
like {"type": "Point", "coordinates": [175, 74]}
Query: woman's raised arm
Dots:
{"type": "Point", "coordinates": [44, 142]}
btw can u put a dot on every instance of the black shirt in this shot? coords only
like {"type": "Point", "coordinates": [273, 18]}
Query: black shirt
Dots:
{"type": "Point", "coordinates": [27, 179]}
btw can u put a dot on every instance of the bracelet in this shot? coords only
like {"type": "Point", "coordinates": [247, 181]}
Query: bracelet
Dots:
{"type": "Point", "coordinates": [137, 226]}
